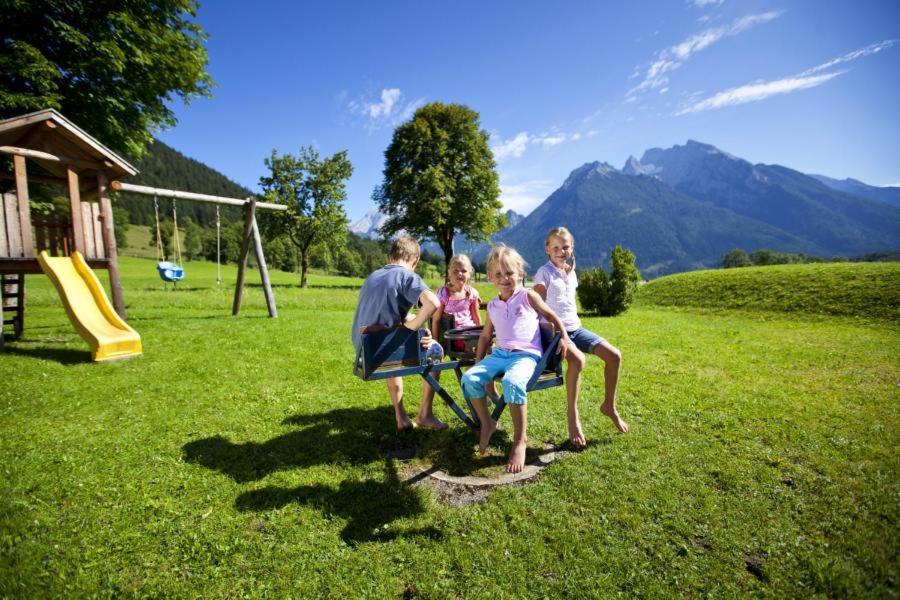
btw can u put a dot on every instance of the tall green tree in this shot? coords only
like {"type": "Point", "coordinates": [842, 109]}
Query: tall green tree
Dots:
{"type": "Point", "coordinates": [313, 189]}
{"type": "Point", "coordinates": [439, 178]}
{"type": "Point", "coordinates": [110, 66]}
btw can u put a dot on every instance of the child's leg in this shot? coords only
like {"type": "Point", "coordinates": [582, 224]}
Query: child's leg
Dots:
{"type": "Point", "coordinates": [426, 417]}
{"type": "Point", "coordinates": [516, 461]}
{"type": "Point", "coordinates": [612, 358]}
{"type": "Point", "coordinates": [395, 389]}
{"type": "Point", "coordinates": [515, 382]}
{"type": "Point", "coordinates": [575, 361]}
{"type": "Point", "coordinates": [473, 386]}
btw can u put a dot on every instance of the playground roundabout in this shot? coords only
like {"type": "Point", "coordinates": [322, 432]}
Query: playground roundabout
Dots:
{"type": "Point", "coordinates": [460, 490]}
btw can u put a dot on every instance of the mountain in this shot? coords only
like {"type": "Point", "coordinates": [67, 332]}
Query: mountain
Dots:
{"type": "Point", "coordinates": [368, 226]}
{"type": "Point", "coordinates": [668, 230]}
{"type": "Point", "coordinates": [887, 195]}
{"type": "Point", "coordinates": [836, 222]}
{"type": "Point", "coordinates": [165, 167]}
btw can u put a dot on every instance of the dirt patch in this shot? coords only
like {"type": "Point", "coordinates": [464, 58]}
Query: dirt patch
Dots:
{"type": "Point", "coordinates": [463, 490]}
{"type": "Point", "coordinates": [754, 564]}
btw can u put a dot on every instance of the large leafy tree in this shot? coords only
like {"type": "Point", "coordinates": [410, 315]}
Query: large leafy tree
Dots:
{"type": "Point", "coordinates": [313, 190]}
{"type": "Point", "coordinates": [439, 178]}
{"type": "Point", "coordinates": [108, 65]}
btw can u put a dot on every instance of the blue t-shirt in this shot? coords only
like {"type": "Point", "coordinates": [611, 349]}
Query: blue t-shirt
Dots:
{"type": "Point", "coordinates": [386, 297]}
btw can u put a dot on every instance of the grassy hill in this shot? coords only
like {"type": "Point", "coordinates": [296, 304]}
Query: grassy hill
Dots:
{"type": "Point", "coordinates": [869, 290]}
{"type": "Point", "coordinates": [239, 457]}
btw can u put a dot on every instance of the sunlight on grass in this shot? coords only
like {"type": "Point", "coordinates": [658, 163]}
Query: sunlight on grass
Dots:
{"type": "Point", "coordinates": [239, 456]}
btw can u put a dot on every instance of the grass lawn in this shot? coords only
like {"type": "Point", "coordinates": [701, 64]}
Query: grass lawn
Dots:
{"type": "Point", "coordinates": [239, 456]}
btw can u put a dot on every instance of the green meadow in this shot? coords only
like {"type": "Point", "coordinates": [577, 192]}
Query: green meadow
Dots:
{"type": "Point", "coordinates": [240, 456]}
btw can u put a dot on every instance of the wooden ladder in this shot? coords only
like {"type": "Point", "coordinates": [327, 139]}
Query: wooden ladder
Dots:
{"type": "Point", "coordinates": [12, 302]}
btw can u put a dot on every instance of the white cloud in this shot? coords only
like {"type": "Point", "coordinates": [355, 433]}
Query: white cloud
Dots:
{"type": "Point", "coordinates": [755, 92]}
{"type": "Point", "coordinates": [870, 49]}
{"type": "Point", "coordinates": [760, 90]}
{"type": "Point", "coordinates": [389, 110]}
{"type": "Point", "coordinates": [672, 58]}
{"type": "Point", "coordinates": [550, 140]}
{"type": "Point", "coordinates": [705, 3]}
{"type": "Point", "coordinates": [514, 147]}
{"type": "Point", "coordinates": [523, 197]}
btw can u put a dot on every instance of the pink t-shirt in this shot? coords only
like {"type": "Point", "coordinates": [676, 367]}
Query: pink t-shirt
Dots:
{"type": "Point", "coordinates": [460, 308]}
{"type": "Point", "coordinates": [516, 323]}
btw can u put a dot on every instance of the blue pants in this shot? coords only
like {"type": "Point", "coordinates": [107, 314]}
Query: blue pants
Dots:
{"type": "Point", "coordinates": [517, 369]}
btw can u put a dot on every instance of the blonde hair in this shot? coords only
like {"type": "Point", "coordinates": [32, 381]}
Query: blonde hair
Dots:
{"type": "Point", "coordinates": [504, 256]}
{"type": "Point", "coordinates": [562, 233]}
{"type": "Point", "coordinates": [463, 260]}
{"type": "Point", "coordinates": [404, 248]}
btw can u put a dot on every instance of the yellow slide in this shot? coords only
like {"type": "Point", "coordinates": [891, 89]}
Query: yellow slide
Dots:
{"type": "Point", "coordinates": [109, 337]}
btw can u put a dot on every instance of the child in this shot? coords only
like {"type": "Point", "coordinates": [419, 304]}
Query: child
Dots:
{"type": "Point", "coordinates": [556, 282]}
{"type": "Point", "coordinates": [458, 299]}
{"type": "Point", "coordinates": [385, 299]}
{"type": "Point", "coordinates": [514, 316]}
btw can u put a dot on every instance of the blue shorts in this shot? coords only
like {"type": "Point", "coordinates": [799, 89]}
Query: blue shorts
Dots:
{"type": "Point", "coordinates": [516, 367]}
{"type": "Point", "coordinates": [584, 339]}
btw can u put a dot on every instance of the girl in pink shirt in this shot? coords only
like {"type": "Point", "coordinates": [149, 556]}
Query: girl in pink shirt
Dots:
{"type": "Point", "coordinates": [513, 315]}
{"type": "Point", "coordinates": [458, 299]}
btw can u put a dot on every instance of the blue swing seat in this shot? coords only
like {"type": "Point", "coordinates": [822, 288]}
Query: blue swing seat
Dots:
{"type": "Point", "coordinates": [169, 271]}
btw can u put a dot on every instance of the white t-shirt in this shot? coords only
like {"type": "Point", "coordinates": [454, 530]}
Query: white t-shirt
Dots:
{"type": "Point", "coordinates": [560, 293]}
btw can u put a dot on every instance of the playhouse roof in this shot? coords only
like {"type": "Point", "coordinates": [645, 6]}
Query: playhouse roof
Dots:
{"type": "Point", "coordinates": [49, 132]}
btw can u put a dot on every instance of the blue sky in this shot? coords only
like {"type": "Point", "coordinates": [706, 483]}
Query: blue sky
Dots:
{"type": "Point", "coordinates": [812, 85]}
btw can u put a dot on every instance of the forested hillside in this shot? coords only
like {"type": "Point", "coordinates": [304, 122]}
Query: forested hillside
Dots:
{"type": "Point", "coordinates": [165, 167]}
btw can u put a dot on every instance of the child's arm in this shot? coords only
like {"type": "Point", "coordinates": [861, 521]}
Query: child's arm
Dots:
{"type": "Point", "coordinates": [473, 309]}
{"type": "Point", "coordinates": [541, 307]}
{"type": "Point", "coordinates": [430, 303]}
{"type": "Point", "coordinates": [436, 322]}
{"type": "Point", "coordinates": [541, 290]}
{"type": "Point", "coordinates": [484, 340]}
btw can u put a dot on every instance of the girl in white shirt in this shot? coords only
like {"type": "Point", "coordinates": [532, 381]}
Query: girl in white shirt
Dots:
{"type": "Point", "coordinates": [556, 282]}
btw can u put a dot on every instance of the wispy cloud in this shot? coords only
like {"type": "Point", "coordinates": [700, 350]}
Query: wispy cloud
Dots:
{"type": "Point", "coordinates": [870, 49]}
{"type": "Point", "coordinates": [755, 92]}
{"type": "Point", "coordinates": [673, 57]}
{"type": "Point", "coordinates": [524, 196]}
{"type": "Point", "coordinates": [390, 109]}
{"type": "Point", "coordinates": [706, 3]}
{"type": "Point", "coordinates": [760, 90]}
{"type": "Point", "coordinates": [516, 146]}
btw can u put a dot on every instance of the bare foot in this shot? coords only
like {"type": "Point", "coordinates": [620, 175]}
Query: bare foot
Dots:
{"type": "Point", "coordinates": [405, 424]}
{"type": "Point", "coordinates": [486, 432]}
{"type": "Point", "coordinates": [516, 458]}
{"type": "Point", "coordinates": [609, 410]}
{"type": "Point", "coordinates": [431, 422]}
{"type": "Point", "coordinates": [576, 436]}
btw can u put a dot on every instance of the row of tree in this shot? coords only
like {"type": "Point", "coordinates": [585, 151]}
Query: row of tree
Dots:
{"type": "Point", "coordinates": [738, 257]}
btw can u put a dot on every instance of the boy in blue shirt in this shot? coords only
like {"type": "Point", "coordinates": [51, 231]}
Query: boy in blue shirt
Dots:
{"type": "Point", "coordinates": [385, 299]}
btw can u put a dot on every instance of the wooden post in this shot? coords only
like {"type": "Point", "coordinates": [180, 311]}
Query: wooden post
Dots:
{"type": "Point", "coordinates": [75, 208]}
{"type": "Point", "coordinates": [109, 241]}
{"type": "Point", "coordinates": [24, 207]}
{"type": "Point", "coordinates": [242, 261]}
{"type": "Point", "coordinates": [263, 270]}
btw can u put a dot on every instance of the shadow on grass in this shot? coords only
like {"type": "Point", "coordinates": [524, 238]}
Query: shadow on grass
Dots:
{"type": "Point", "coordinates": [346, 435]}
{"type": "Point", "coordinates": [329, 286]}
{"type": "Point", "coordinates": [368, 506]}
{"type": "Point", "coordinates": [353, 436]}
{"type": "Point", "coordinates": [65, 356]}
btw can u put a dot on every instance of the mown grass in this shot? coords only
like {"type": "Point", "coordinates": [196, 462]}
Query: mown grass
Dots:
{"type": "Point", "coordinates": [869, 290]}
{"type": "Point", "coordinates": [240, 457]}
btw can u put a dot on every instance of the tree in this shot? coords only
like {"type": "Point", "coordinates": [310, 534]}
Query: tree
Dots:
{"type": "Point", "coordinates": [111, 67]}
{"type": "Point", "coordinates": [735, 258]}
{"type": "Point", "coordinates": [610, 294]}
{"type": "Point", "coordinates": [313, 191]}
{"type": "Point", "coordinates": [439, 178]}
